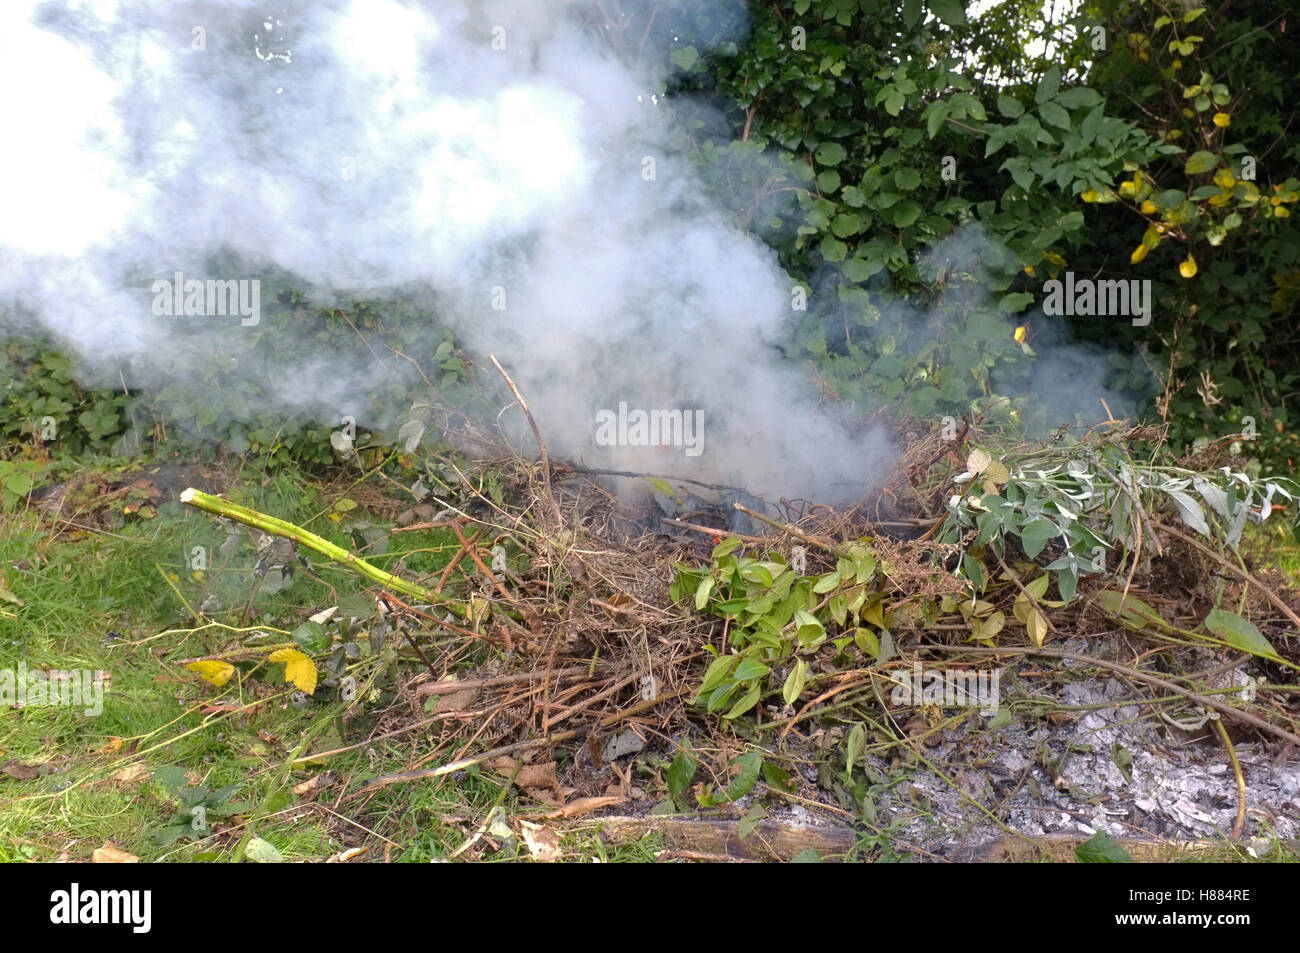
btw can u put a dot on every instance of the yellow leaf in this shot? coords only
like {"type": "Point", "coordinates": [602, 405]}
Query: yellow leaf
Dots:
{"type": "Point", "coordinates": [1148, 207]}
{"type": "Point", "coordinates": [299, 670]}
{"type": "Point", "coordinates": [1177, 64]}
{"type": "Point", "coordinates": [1029, 270]}
{"type": "Point", "coordinates": [197, 575]}
{"type": "Point", "coordinates": [1224, 179]}
{"type": "Point", "coordinates": [1021, 333]}
{"type": "Point", "coordinates": [1090, 195]}
{"type": "Point", "coordinates": [335, 518]}
{"type": "Point", "coordinates": [1222, 119]}
{"type": "Point", "coordinates": [1037, 626]}
{"type": "Point", "coordinates": [1188, 268]}
{"type": "Point", "coordinates": [1138, 254]}
{"type": "Point", "coordinates": [1128, 188]}
{"type": "Point", "coordinates": [1281, 212]}
{"type": "Point", "coordinates": [216, 672]}
{"type": "Point", "coordinates": [1054, 258]}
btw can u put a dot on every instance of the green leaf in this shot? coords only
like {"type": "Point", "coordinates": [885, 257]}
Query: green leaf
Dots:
{"type": "Point", "coordinates": [777, 778]}
{"type": "Point", "coordinates": [263, 852]}
{"type": "Point", "coordinates": [716, 673]}
{"type": "Point", "coordinates": [795, 682]}
{"type": "Point", "coordinates": [747, 701]}
{"type": "Point", "coordinates": [1035, 535]}
{"type": "Point", "coordinates": [905, 214]}
{"type": "Point", "coordinates": [907, 179]}
{"type": "Point", "coordinates": [827, 582]}
{"type": "Point", "coordinates": [749, 765]}
{"type": "Point", "coordinates": [1240, 633]}
{"type": "Point", "coordinates": [685, 57]}
{"type": "Point", "coordinates": [1130, 610]}
{"type": "Point", "coordinates": [832, 249]}
{"type": "Point", "coordinates": [830, 153]}
{"type": "Point", "coordinates": [828, 181]}
{"type": "Point", "coordinates": [846, 225]}
{"type": "Point", "coordinates": [312, 637]}
{"type": "Point", "coordinates": [1015, 302]}
{"type": "Point", "coordinates": [725, 548]}
{"type": "Point", "coordinates": [749, 669]}
{"type": "Point", "coordinates": [1080, 97]}
{"type": "Point", "coordinates": [935, 116]}
{"type": "Point", "coordinates": [1048, 85]}
{"type": "Point", "coordinates": [702, 593]}
{"type": "Point", "coordinates": [861, 269]}
{"type": "Point", "coordinates": [951, 12]}
{"type": "Point", "coordinates": [1054, 114]}
{"type": "Point", "coordinates": [1101, 848]}
{"type": "Point", "coordinates": [681, 772]}
{"type": "Point", "coordinates": [1200, 162]}
{"type": "Point", "coordinates": [1010, 107]}
{"type": "Point", "coordinates": [1067, 581]}
{"type": "Point", "coordinates": [1189, 510]}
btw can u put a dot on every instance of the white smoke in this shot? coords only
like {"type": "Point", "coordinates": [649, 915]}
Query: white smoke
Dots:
{"type": "Point", "coordinates": [370, 146]}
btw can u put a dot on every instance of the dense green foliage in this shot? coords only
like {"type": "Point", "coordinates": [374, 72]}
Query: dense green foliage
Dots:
{"type": "Point", "coordinates": [921, 172]}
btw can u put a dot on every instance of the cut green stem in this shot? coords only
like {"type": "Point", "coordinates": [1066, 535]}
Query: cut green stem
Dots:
{"type": "Point", "coordinates": [278, 527]}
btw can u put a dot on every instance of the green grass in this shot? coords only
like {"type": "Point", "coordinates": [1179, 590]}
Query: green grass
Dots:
{"type": "Point", "coordinates": [133, 580]}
